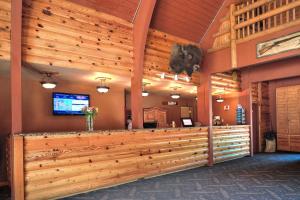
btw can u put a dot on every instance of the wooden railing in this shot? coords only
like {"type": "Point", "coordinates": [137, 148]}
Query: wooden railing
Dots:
{"type": "Point", "coordinates": [256, 16]}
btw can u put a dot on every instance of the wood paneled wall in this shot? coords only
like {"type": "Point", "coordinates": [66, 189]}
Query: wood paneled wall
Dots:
{"type": "Point", "coordinates": [5, 27]}
{"type": "Point", "coordinates": [230, 142]}
{"type": "Point", "coordinates": [260, 96]}
{"type": "Point", "coordinates": [225, 83]}
{"type": "Point", "coordinates": [64, 34]}
{"type": "Point", "coordinates": [57, 165]}
{"type": "Point", "coordinates": [157, 55]}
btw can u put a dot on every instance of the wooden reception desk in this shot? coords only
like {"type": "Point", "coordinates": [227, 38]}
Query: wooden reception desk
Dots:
{"type": "Point", "coordinates": [66, 163]}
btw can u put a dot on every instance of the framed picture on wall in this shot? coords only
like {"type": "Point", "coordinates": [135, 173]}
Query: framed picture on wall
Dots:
{"type": "Point", "coordinates": [279, 45]}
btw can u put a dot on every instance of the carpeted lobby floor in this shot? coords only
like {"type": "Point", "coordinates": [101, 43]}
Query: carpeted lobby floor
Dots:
{"type": "Point", "coordinates": [263, 177]}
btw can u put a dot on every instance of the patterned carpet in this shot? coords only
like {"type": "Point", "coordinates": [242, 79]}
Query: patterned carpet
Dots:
{"type": "Point", "coordinates": [263, 177]}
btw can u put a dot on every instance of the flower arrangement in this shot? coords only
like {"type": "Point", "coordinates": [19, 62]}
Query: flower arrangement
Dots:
{"type": "Point", "coordinates": [90, 113]}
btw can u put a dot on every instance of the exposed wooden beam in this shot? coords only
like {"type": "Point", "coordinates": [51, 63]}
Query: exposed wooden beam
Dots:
{"type": "Point", "coordinates": [140, 32]}
{"type": "Point", "coordinates": [17, 187]}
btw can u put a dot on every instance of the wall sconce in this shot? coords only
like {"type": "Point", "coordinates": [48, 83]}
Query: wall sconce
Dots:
{"type": "Point", "coordinates": [175, 77]}
{"type": "Point", "coordinates": [47, 81]}
{"type": "Point", "coordinates": [102, 88]}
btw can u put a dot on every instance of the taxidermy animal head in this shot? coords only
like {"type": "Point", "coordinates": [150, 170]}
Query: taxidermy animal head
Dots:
{"type": "Point", "coordinates": [185, 58]}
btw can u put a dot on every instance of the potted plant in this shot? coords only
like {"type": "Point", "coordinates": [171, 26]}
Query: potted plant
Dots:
{"type": "Point", "coordinates": [90, 114]}
{"type": "Point", "coordinates": [270, 137]}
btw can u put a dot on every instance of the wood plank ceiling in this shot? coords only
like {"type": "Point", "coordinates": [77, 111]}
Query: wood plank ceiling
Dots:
{"type": "Point", "coordinates": [186, 19]}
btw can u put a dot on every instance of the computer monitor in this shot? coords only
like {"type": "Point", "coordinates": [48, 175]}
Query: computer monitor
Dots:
{"type": "Point", "coordinates": [187, 122]}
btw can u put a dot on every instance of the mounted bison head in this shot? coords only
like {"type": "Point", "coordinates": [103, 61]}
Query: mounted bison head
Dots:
{"type": "Point", "coordinates": [185, 58]}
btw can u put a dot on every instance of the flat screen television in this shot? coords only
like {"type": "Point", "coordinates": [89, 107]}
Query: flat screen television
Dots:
{"type": "Point", "coordinates": [69, 104]}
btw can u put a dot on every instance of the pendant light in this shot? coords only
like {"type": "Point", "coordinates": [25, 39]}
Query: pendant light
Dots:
{"type": "Point", "coordinates": [175, 95]}
{"type": "Point", "coordinates": [219, 99]}
{"type": "Point", "coordinates": [144, 92]}
{"type": "Point", "coordinates": [47, 81]}
{"type": "Point", "coordinates": [102, 88]}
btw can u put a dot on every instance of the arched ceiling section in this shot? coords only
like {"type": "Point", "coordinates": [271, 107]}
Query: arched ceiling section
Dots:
{"type": "Point", "coordinates": [187, 19]}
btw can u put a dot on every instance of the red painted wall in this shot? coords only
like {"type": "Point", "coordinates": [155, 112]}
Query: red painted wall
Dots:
{"type": "Point", "coordinates": [37, 107]}
{"type": "Point", "coordinates": [229, 116]}
{"type": "Point", "coordinates": [173, 112]}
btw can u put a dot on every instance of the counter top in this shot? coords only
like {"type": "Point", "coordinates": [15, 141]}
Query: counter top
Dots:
{"type": "Point", "coordinates": [120, 131]}
{"type": "Point", "coordinates": [110, 132]}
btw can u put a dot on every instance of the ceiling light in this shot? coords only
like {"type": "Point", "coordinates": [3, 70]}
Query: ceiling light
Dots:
{"type": "Point", "coordinates": [145, 93]}
{"type": "Point", "coordinates": [175, 96]}
{"type": "Point", "coordinates": [102, 89]}
{"type": "Point", "coordinates": [219, 99]}
{"type": "Point", "coordinates": [47, 81]}
{"type": "Point", "coordinates": [48, 85]}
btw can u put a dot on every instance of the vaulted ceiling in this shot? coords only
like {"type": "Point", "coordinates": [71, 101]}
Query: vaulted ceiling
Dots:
{"type": "Point", "coordinates": [187, 19]}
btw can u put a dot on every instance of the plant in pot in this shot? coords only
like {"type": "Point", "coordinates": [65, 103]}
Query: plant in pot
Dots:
{"type": "Point", "coordinates": [270, 137]}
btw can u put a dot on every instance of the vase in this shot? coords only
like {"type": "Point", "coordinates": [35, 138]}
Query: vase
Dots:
{"type": "Point", "coordinates": [90, 123]}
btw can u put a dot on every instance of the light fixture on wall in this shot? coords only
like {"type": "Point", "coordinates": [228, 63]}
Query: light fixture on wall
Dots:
{"type": "Point", "coordinates": [102, 88]}
{"type": "Point", "coordinates": [175, 77]}
{"type": "Point", "coordinates": [47, 81]}
{"type": "Point", "coordinates": [219, 99]}
{"type": "Point", "coordinates": [144, 92]}
{"type": "Point", "coordinates": [175, 95]}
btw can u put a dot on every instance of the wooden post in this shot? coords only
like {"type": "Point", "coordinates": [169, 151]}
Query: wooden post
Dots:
{"type": "Point", "coordinates": [204, 111]}
{"type": "Point", "coordinates": [17, 167]}
{"type": "Point", "coordinates": [233, 37]}
{"type": "Point", "coordinates": [16, 160]}
{"type": "Point", "coordinates": [140, 31]}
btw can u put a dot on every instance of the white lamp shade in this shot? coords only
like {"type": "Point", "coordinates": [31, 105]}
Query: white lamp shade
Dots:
{"type": "Point", "coordinates": [175, 96]}
{"type": "Point", "coordinates": [48, 85]}
{"type": "Point", "coordinates": [220, 100]}
{"type": "Point", "coordinates": [145, 93]}
{"type": "Point", "coordinates": [102, 89]}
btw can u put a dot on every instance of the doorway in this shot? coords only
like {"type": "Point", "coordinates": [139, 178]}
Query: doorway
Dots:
{"type": "Point", "coordinates": [255, 128]}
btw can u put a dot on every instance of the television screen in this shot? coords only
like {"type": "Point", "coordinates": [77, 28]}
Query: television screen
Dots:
{"type": "Point", "coordinates": [187, 122]}
{"type": "Point", "coordinates": [69, 104]}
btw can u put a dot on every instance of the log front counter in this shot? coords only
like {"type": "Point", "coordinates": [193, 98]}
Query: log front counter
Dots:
{"type": "Point", "coordinates": [63, 164]}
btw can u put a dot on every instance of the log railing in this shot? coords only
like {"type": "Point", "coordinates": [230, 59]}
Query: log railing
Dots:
{"type": "Point", "coordinates": [57, 165]}
{"type": "Point", "coordinates": [253, 17]}
{"type": "Point", "coordinates": [230, 142]}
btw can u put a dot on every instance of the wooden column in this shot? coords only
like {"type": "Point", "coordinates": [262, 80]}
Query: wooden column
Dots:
{"type": "Point", "coordinates": [204, 110]}
{"type": "Point", "coordinates": [17, 188]}
{"type": "Point", "coordinates": [140, 31]}
{"type": "Point", "coordinates": [233, 37]}
{"type": "Point", "coordinates": [16, 151]}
